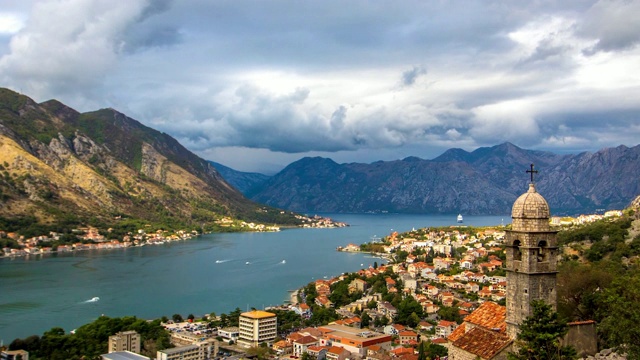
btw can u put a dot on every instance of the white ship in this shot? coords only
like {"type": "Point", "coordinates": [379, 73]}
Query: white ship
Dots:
{"type": "Point", "coordinates": [460, 218]}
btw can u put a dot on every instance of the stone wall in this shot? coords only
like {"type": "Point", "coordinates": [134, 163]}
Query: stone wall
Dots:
{"type": "Point", "coordinates": [583, 337]}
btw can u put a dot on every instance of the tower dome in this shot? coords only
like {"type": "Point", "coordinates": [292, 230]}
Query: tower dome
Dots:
{"type": "Point", "coordinates": [530, 212]}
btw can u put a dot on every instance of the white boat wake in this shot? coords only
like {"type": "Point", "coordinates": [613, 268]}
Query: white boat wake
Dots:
{"type": "Point", "coordinates": [222, 261]}
{"type": "Point", "coordinates": [92, 300]}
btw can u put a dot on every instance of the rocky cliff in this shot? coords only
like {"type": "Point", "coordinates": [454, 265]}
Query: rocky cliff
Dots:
{"type": "Point", "coordinates": [57, 165]}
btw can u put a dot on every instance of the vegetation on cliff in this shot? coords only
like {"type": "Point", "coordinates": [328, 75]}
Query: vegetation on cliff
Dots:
{"type": "Point", "coordinates": [60, 168]}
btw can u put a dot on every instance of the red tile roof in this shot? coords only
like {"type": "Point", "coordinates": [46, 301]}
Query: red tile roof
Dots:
{"type": "Point", "coordinates": [483, 343]}
{"type": "Point", "coordinates": [490, 316]}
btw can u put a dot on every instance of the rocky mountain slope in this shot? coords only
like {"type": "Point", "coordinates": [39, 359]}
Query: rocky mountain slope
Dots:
{"type": "Point", "coordinates": [58, 165]}
{"type": "Point", "coordinates": [485, 181]}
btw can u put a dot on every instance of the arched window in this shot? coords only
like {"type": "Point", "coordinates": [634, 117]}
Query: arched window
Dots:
{"type": "Point", "coordinates": [517, 254]}
{"type": "Point", "coordinates": [542, 251]}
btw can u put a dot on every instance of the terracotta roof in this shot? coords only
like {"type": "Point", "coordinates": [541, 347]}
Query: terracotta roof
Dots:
{"type": "Point", "coordinates": [316, 348]}
{"type": "Point", "coordinates": [483, 343]}
{"type": "Point", "coordinates": [490, 316]}
{"type": "Point", "coordinates": [295, 336]}
{"type": "Point", "coordinates": [457, 333]}
{"type": "Point", "coordinates": [439, 341]}
{"type": "Point", "coordinates": [336, 350]}
{"type": "Point", "coordinates": [407, 333]}
{"type": "Point", "coordinates": [281, 343]}
{"type": "Point", "coordinates": [402, 350]}
{"type": "Point", "coordinates": [409, 357]}
{"type": "Point", "coordinates": [446, 323]}
{"type": "Point", "coordinates": [306, 340]}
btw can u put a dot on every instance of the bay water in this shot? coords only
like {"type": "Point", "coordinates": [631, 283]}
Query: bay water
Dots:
{"type": "Point", "coordinates": [210, 273]}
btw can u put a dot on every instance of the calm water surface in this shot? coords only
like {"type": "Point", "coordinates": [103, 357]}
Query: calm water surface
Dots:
{"type": "Point", "coordinates": [213, 273]}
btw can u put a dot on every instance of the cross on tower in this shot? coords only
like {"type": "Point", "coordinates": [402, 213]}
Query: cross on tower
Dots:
{"type": "Point", "coordinates": [532, 172]}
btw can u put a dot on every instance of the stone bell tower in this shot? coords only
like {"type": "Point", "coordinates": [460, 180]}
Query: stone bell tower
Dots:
{"type": "Point", "coordinates": [532, 249]}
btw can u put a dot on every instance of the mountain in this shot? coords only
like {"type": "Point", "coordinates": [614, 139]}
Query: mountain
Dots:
{"type": "Point", "coordinates": [58, 166]}
{"type": "Point", "coordinates": [243, 181]}
{"type": "Point", "coordinates": [484, 181]}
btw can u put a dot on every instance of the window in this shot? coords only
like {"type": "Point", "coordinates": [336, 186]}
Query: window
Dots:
{"type": "Point", "coordinates": [517, 254]}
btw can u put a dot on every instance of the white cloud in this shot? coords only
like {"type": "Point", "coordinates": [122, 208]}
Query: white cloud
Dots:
{"type": "Point", "coordinates": [10, 23]}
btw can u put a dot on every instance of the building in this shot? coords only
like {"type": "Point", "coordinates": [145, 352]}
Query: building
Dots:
{"type": "Point", "coordinates": [483, 334]}
{"type": "Point", "coordinates": [532, 249]}
{"type": "Point", "coordinates": [123, 355]}
{"type": "Point", "coordinates": [189, 352]}
{"type": "Point", "coordinates": [351, 339]}
{"type": "Point", "coordinates": [489, 331]}
{"type": "Point", "coordinates": [124, 341]}
{"type": "Point", "coordinates": [14, 354]}
{"type": "Point", "coordinates": [257, 327]}
{"type": "Point", "coordinates": [229, 333]}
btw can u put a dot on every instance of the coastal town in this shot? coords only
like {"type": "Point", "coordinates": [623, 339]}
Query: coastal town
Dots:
{"type": "Point", "coordinates": [91, 238]}
{"type": "Point", "coordinates": [433, 286]}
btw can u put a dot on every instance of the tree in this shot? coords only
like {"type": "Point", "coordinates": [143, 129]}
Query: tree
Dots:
{"type": "Point", "coordinates": [260, 352]}
{"type": "Point", "coordinates": [580, 289]}
{"type": "Point", "coordinates": [191, 317]}
{"type": "Point", "coordinates": [620, 325]}
{"type": "Point", "coordinates": [540, 335]}
{"type": "Point", "coordinates": [177, 318]}
{"type": "Point", "coordinates": [365, 319]}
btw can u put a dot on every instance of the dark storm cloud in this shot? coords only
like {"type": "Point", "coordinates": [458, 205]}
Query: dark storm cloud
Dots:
{"type": "Point", "coordinates": [335, 77]}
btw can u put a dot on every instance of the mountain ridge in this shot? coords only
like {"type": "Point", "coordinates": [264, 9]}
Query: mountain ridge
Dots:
{"type": "Point", "coordinates": [484, 181]}
{"type": "Point", "coordinates": [58, 165]}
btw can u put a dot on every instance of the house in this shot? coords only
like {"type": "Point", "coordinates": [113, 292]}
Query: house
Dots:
{"type": "Point", "coordinates": [408, 337]}
{"type": "Point", "coordinates": [337, 353]}
{"type": "Point", "coordinates": [390, 282]}
{"type": "Point", "coordinates": [282, 347]}
{"type": "Point", "coordinates": [357, 285]}
{"type": "Point", "coordinates": [387, 310]}
{"type": "Point", "coordinates": [472, 287]}
{"type": "Point", "coordinates": [393, 329]}
{"type": "Point", "coordinates": [318, 352]}
{"type": "Point", "coordinates": [426, 326]}
{"type": "Point", "coordinates": [445, 328]}
{"type": "Point", "coordinates": [300, 346]}
{"type": "Point", "coordinates": [323, 301]}
{"type": "Point", "coordinates": [409, 282]}
{"type": "Point", "coordinates": [432, 291]}
{"type": "Point", "coordinates": [303, 310]}
{"type": "Point", "coordinates": [400, 351]}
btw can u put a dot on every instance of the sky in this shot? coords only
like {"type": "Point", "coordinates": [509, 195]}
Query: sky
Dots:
{"type": "Point", "coordinates": [256, 85]}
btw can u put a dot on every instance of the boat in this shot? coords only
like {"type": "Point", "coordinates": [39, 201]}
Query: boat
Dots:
{"type": "Point", "coordinates": [284, 262]}
{"type": "Point", "coordinates": [93, 299]}
{"type": "Point", "coordinates": [460, 218]}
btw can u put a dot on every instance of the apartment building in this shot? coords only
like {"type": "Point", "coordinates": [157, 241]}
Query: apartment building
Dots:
{"type": "Point", "coordinates": [124, 341]}
{"type": "Point", "coordinates": [257, 327]}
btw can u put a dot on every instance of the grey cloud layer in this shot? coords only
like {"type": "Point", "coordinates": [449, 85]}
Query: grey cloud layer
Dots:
{"type": "Point", "coordinates": [331, 76]}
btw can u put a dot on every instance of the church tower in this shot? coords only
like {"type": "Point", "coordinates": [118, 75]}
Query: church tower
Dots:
{"type": "Point", "coordinates": [532, 249]}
